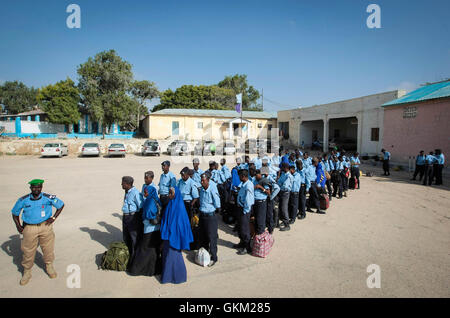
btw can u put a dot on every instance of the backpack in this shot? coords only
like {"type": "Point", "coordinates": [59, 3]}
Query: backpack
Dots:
{"type": "Point", "coordinates": [202, 257]}
{"type": "Point", "coordinates": [116, 257]}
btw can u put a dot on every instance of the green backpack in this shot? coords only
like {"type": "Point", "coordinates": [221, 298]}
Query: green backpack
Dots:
{"type": "Point", "coordinates": [116, 257]}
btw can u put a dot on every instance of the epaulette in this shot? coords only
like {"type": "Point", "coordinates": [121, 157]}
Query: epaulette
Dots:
{"type": "Point", "coordinates": [50, 196]}
{"type": "Point", "coordinates": [24, 197]}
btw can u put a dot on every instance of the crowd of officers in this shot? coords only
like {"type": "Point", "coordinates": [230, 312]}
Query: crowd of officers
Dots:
{"type": "Point", "coordinates": [429, 167]}
{"type": "Point", "coordinates": [254, 195]}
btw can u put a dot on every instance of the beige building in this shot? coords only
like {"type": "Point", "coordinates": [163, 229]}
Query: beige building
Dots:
{"type": "Point", "coordinates": [206, 124]}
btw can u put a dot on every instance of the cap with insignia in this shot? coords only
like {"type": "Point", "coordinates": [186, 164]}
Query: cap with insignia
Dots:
{"type": "Point", "coordinates": [36, 182]}
{"type": "Point", "coordinates": [165, 163]}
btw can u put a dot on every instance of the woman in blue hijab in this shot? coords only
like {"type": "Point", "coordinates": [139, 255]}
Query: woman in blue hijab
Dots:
{"type": "Point", "coordinates": [176, 234]}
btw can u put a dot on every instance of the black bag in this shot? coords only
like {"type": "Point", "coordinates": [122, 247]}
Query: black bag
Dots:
{"type": "Point", "coordinates": [157, 219]}
{"type": "Point", "coordinates": [352, 183]}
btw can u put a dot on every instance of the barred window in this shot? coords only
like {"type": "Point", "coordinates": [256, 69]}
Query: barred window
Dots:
{"type": "Point", "coordinates": [200, 125]}
{"type": "Point", "coordinates": [375, 136]}
{"type": "Point", "coordinates": [410, 112]}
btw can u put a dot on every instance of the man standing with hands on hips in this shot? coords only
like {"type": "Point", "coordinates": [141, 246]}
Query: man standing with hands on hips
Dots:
{"type": "Point", "coordinates": [37, 228]}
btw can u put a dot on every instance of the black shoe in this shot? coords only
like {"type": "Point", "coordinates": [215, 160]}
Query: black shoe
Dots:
{"type": "Point", "coordinates": [339, 197]}
{"type": "Point", "coordinates": [242, 251]}
{"type": "Point", "coordinates": [320, 212]}
{"type": "Point", "coordinates": [278, 225]}
{"type": "Point", "coordinates": [291, 221]}
{"type": "Point", "coordinates": [286, 228]}
{"type": "Point", "coordinates": [211, 264]}
{"type": "Point", "coordinates": [238, 246]}
{"type": "Point", "coordinates": [301, 217]}
{"type": "Point", "coordinates": [270, 232]}
{"type": "Point", "coordinates": [309, 210]}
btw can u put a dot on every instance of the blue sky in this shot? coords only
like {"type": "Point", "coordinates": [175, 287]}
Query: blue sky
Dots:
{"type": "Point", "coordinates": [300, 52]}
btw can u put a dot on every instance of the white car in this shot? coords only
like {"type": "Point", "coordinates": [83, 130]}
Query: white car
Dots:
{"type": "Point", "coordinates": [90, 149]}
{"type": "Point", "coordinates": [54, 150]}
{"type": "Point", "coordinates": [116, 150]}
{"type": "Point", "coordinates": [151, 147]}
{"type": "Point", "coordinates": [228, 148]}
{"type": "Point", "coordinates": [178, 147]}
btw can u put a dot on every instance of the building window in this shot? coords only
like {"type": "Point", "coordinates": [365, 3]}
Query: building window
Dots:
{"type": "Point", "coordinates": [175, 128]}
{"type": "Point", "coordinates": [200, 125]}
{"type": "Point", "coordinates": [270, 127]}
{"type": "Point", "coordinates": [259, 125]}
{"type": "Point", "coordinates": [410, 112]}
{"type": "Point", "coordinates": [375, 136]}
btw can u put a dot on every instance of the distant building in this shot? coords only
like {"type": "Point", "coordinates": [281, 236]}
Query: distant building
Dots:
{"type": "Point", "coordinates": [352, 124]}
{"type": "Point", "coordinates": [420, 120]}
{"type": "Point", "coordinates": [208, 124]}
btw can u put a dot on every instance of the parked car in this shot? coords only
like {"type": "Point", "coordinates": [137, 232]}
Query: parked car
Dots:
{"type": "Point", "coordinates": [90, 149]}
{"type": "Point", "coordinates": [205, 148]}
{"type": "Point", "coordinates": [54, 150]}
{"type": "Point", "coordinates": [151, 147]}
{"type": "Point", "coordinates": [178, 147]}
{"type": "Point", "coordinates": [116, 150]}
{"type": "Point", "coordinates": [343, 143]}
{"type": "Point", "coordinates": [228, 148]}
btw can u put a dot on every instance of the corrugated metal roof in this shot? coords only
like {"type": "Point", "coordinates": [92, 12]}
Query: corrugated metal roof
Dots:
{"type": "Point", "coordinates": [215, 113]}
{"type": "Point", "coordinates": [432, 91]}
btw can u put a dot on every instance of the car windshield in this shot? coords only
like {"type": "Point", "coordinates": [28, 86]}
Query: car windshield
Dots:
{"type": "Point", "coordinates": [152, 143]}
{"type": "Point", "coordinates": [229, 144]}
{"type": "Point", "coordinates": [51, 145]}
{"type": "Point", "coordinates": [90, 145]}
{"type": "Point", "coordinates": [116, 146]}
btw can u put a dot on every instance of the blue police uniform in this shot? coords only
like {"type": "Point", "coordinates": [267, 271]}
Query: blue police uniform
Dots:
{"type": "Point", "coordinates": [226, 172]}
{"type": "Point", "coordinates": [133, 201]}
{"type": "Point", "coordinates": [196, 177]}
{"type": "Point", "coordinates": [188, 189]}
{"type": "Point", "coordinates": [166, 182]}
{"type": "Point", "coordinates": [209, 202]}
{"type": "Point", "coordinates": [36, 211]}
{"type": "Point", "coordinates": [258, 163]}
{"type": "Point", "coordinates": [245, 200]}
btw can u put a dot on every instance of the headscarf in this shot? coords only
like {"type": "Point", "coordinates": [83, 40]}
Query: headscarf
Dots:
{"type": "Point", "coordinates": [175, 226]}
{"type": "Point", "coordinates": [235, 181]}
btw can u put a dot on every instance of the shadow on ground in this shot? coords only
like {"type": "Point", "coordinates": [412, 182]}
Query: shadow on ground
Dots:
{"type": "Point", "coordinates": [12, 248]}
{"type": "Point", "coordinates": [112, 234]}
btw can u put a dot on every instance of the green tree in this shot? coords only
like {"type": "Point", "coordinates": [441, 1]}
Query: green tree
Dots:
{"type": "Point", "coordinates": [197, 97]}
{"type": "Point", "coordinates": [142, 92]}
{"type": "Point", "coordinates": [103, 83]}
{"type": "Point", "coordinates": [16, 97]}
{"type": "Point", "coordinates": [238, 83]}
{"type": "Point", "coordinates": [60, 102]}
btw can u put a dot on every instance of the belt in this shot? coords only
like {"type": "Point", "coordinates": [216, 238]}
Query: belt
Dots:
{"type": "Point", "coordinates": [188, 201]}
{"type": "Point", "coordinates": [164, 195]}
{"type": "Point", "coordinates": [39, 224]}
{"type": "Point", "coordinates": [294, 192]}
{"type": "Point", "coordinates": [207, 214]}
{"type": "Point", "coordinates": [260, 200]}
{"type": "Point", "coordinates": [131, 213]}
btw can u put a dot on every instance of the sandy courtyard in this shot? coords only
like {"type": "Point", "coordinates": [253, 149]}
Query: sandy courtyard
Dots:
{"type": "Point", "coordinates": [403, 227]}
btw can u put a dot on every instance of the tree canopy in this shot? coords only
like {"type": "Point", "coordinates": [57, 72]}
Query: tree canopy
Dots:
{"type": "Point", "coordinates": [238, 83]}
{"type": "Point", "coordinates": [61, 102]}
{"type": "Point", "coordinates": [16, 97]}
{"type": "Point", "coordinates": [103, 83]}
{"type": "Point", "coordinates": [142, 92]}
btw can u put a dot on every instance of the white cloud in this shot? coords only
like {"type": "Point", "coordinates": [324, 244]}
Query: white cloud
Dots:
{"type": "Point", "coordinates": [405, 85]}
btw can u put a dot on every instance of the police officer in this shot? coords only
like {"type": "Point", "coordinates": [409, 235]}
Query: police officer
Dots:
{"type": "Point", "coordinates": [439, 166]}
{"type": "Point", "coordinates": [274, 190]}
{"type": "Point", "coordinates": [166, 181]}
{"type": "Point", "coordinates": [420, 166]}
{"type": "Point", "coordinates": [209, 204]}
{"type": "Point", "coordinates": [37, 228]}
{"type": "Point", "coordinates": [428, 176]}
{"type": "Point", "coordinates": [355, 162]}
{"type": "Point", "coordinates": [188, 191]}
{"type": "Point", "coordinates": [285, 182]}
{"type": "Point", "coordinates": [197, 172]}
{"type": "Point", "coordinates": [293, 196]}
{"type": "Point", "coordinates": [132, 226]}
{"type": "Point", "coordinates": [261, 192]}
{"type": "Point", "coordinates": [245, 201]}
{"type": "Point", "coordinates": [304, 188]}
{"type": "Point", "coordinates": [386, 158]}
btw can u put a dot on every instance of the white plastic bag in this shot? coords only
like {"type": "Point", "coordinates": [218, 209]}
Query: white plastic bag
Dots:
{"type": "Point", "coordinates": [202, 257]}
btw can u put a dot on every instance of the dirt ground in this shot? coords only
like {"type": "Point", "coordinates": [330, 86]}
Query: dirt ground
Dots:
{"type": "Point", "coordinates": [401, 226]}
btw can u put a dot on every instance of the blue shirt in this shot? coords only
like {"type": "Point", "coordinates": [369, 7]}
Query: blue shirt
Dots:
{"type": "Point", "coordinates": [196, 177]}
{"type": "Point", "coordinates": [149, 228]}
{"type": "Point", "coordinates": [188, 189]}
{"type": "Point", "coordinates": [420, 160]}
{"type": "Point", "coordinates": [246, 196]}
{"type": "Point", "coordinates": [275, 190]}
{"type": "Point", "coordinates": [306, 162]}
{"type": "Point", "coordinates": [430, 159]}
{"type": "Point", "coordinates": [258, 163]}
{"type": "Point", "coordinates": [296, 182]}
{"type": "Point", "coordinates": [356, 162]}
{"type": "Point", "coordinates": [310, 173]}
{"type": "Point", "coordinates": [276, 160]}
{"type": "Point", "coordinates": [133, 201]}
{"type": "Point", "coordinates": [226, 172]}
{"type": "Point", "coordinates": [243, 166]}
{"type": "Point", "coordinates": [209, 199]}
{"type": "Point", "coordinates": [303, 179]}
{"type": "Point", "coordinates": [285, 181]}
{"type": "Point", "coordinates": [440, 159]}
{"type": "Point", "coordinates": [166, 182]}
{"type": "Point", "coordinates": [339, 165]}
{"type": "Point", "coordinates": [36, 211]}
{"type": "Point", "coordinates": [259, 194]}
{"type": "Point", "coordinates": [387, 155]}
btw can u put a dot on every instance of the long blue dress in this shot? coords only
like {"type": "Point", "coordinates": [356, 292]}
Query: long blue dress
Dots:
{"type": "Point", "coordinates": [176, 234]}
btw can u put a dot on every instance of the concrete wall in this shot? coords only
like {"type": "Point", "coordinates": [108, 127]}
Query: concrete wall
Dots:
{"type": "Point", "coordinates": [430, 129]}
{"type": "Point", "coordinates": [10, 126]}
{"type": "Point", "coordinates": [34, 127]}
{"type": "Point", "coordinates": [160, 127]}
{"type": "Point", "coordinates": [366, 109]}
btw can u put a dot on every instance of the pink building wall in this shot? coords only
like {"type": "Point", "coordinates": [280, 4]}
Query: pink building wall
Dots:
{"type": "Point", "coordinates": [430, 129]}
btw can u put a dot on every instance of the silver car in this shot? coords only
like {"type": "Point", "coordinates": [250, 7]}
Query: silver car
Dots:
{"type": "Point", "coordinates": [151, 147]}
{"type": "Point", "coordinates": [178, 147]}
{"type": "Point", "coordinates": [54, 150]}
{"type": "Point", "coordinates": [116, 150]}
{"type": "Point", "coordinates": [90, 149]}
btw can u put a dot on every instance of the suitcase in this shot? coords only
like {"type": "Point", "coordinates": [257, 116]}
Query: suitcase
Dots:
{"type": "Point", "coordinates": [324, 202]}
{"type": "Point", "coordinates": [262, 244]}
